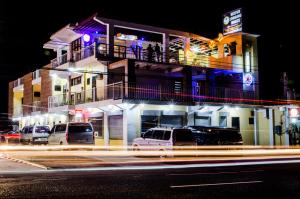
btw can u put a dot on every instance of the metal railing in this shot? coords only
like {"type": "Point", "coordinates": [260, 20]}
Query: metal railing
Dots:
{"type": "Point", "coordinates": [59, 100]}
{"type": "Point", "coordinates": [36, 106]}
{"type": "Point", "coordinates": [222, 94]}
{"type": "Point", "coordinates": [59, 60]}
{"type": "Point", "coordinates": [154, 92]}
{"type": "Point", "coordinates": [36, 74]}
{"type": "Point", "coordinates": [112, 91]}
{"type": "Point", "coordinates": [18, 82]}
{"type": "Point", "coordinates": [17, 111]}
{"type": "Point", "coordinates": [85, 52]}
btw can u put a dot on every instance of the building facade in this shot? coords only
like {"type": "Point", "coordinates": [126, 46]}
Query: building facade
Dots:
{"type": "Point", "coordinates": [125, 78]}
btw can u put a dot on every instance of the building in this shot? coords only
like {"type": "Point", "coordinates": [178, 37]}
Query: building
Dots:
{"type": "Point", "coordinates": [126, 78]}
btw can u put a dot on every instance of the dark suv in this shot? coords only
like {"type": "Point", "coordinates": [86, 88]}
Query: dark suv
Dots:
{"type": "Point", "coordinates": [216, 135]}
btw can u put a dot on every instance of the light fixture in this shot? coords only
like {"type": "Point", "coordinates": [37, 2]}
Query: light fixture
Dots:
{"type": "Point", "coordinates": [86, 37]}
{"type": "Point", "coordinates": [142, 105]}
{"type": "Point", "coordinates": [54, 76]}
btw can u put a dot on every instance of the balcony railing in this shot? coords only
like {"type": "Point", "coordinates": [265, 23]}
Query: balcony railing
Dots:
{"type": "Point", "coordinates": [59, 60]}
{"type": "Point", "coordinates": [159, 92]}
{"type": "Point", "coordinates": [36, 74]}
{"type": "Point", "coordinates": [17, 111]}
{"type": "Point", "coordinates": [18, 82]}
{"type": "Point", "coordinates": [36, 106]}
{"type": "Point", "coordinates": [85, 52]}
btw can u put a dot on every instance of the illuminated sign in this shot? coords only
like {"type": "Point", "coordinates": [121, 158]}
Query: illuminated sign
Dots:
{"type": "Point", "coordinates": [126, 37]}
{"type": "Point", "coordinates": [232, 22]}
{"type": "Point", "coordinates": [248, 79]}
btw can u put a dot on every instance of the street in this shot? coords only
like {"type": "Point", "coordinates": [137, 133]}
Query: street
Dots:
{"type": "Point", "coordinates": [45, 172]}
{"type": "Point", "coordinates": [265, 181]}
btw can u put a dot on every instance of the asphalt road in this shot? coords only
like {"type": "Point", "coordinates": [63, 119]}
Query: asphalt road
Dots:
{"type": "Point", "coordinates": [260, 181]}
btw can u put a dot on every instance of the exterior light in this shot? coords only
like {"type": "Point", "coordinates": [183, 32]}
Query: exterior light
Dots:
{"type": "Point", "coordinates": [294, 112]}
{"type": "Point", "coordinates": [226, 107]}
{"type": "Point", "coordinates": [171, 105]}
{"type": "Point", "coordinates": [54, 76]}
{"type": "Point", "coordinates": [195, 49]}
{"type": "Point", "coordinates": [293, 120]}
{"type": "Point", "coordinates": [237, 108]}
{"type": "Point", "coordinates": [86, 37]}
{"type": "Point", "coordinates": [142, 105]}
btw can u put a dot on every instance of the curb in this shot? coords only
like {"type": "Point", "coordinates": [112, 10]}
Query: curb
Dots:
{"type": "Point", "coordinates": [5, 156]}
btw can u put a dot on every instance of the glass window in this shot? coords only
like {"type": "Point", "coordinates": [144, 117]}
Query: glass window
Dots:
{"type": "Point", "coordinates": [167, 135]}
{"type": "Point", "coordinates": [30, 129]}
{"type": "Point", "coordinates": [42, 129]}
{"type": "Point", "coordinates": [79, 128]}
{"type": "Point", "coordinates": [148, 134]}
{"type": "Point", "coordinates": [183, 135]}
{"type": "Point", "coordinates": [158, 134]}
{"type": "Point", "coordinates": [61, 127]}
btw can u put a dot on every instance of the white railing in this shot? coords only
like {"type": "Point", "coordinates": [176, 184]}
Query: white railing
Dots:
{"type": "Point", "coordinates": [36, 106]}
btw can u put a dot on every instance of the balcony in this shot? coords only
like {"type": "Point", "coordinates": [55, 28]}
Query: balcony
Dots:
{"type": "Point", "coordinates": [85, 52]}
{"type": "Point", "coordinates": [36, 106]}
{"type": "Point", "coordinates": [18, 82]}
{"type": "Point", "coordinates": [154, 94]}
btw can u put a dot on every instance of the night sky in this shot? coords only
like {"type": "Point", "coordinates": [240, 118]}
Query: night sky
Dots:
{"type": "Point", "coordinates": [25, 26]}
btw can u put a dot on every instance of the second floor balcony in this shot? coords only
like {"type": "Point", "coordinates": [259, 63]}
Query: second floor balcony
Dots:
{"type": "Point", "coordinates": [157, 94]}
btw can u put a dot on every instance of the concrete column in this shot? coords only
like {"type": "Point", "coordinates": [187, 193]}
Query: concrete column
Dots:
{"type": "Point", "coordinates": [125, 128]}
{"type": "Point", "coordinates": [110, 39]}
{"type": "Point", "coordinates": [286, 124]}
{"type": "Point", "coordinates": [255, 127]}
{"type": "Point", "coordinates": [271, 124]}
{"type": "Point", "coordinates": [105, 129]}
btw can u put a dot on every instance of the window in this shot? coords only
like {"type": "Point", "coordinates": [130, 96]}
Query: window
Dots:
{"type": "Point", "coordinates": [183, 135]}
{"type": "Point", "coordinates": [167, 135]}
{"type": "Point", "coordinates": [158, 134]}
{"type": "Point", "coordinates": [79, 128]}
{"type": "Point", "coordinates": [42, 129]}
{"type": "Point", "coordinates": [61, 127]}
{"type": "Point", "coordinates": [37, 94]}
{"type": "Point", "coordinates": [57, 87]}
{"type": "Point", "coordinates": [76, 81]}
{"type": "Point", "coordinates": [223, 121]}
{"type": "Point", "coordinates": [88, 81]}
{"type": "Point", "coordinates": [251, 120]}
{"type": "Point", "coordinates": [148, 134]}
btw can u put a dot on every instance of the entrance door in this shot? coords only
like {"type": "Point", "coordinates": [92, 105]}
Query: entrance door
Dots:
{"type": "Point", "coordinates": [235, 122]}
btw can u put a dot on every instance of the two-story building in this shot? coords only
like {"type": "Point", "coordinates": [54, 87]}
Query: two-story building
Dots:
{"type": "Point", "coordinates": [125, 78]}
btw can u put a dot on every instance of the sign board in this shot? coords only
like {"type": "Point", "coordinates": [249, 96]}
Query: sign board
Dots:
{"type": "Point", "coordinates": [232, 22]}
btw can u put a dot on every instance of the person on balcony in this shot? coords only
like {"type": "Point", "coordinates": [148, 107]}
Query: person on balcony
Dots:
{"type": "Point", "coordinates": [150, 53]}
{"type": "Point", "coordinates": [157, 52]}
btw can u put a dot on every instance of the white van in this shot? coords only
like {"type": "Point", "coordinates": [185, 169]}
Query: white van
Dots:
{"type": "Point", "coordinates": [36, 134]}
{"type": "Point", "coordinates": [72, 133]}
{"type": "Point", "coordinates": [164, 139]}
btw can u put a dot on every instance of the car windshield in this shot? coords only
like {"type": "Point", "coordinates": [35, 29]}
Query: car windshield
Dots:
{"type": "Point", "coordinates": [42, 129]}
{"type": "Point", "coordinates": [79, 128]}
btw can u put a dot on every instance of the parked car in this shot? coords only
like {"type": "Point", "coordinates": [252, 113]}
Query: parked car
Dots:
{"type": "Point", "coordinates": [216, 135]}
{"type": "Point", "coordinates": [164, 139]}
{"type": "Point", "coordinates": [72, 133]}
{"type": "Point", "coordinates": [35, 134]}
{"type": "Point", "coordinates": [10, 136]}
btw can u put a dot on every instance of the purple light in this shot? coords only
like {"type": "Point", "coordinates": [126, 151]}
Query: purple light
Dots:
{"type": "Point", "coordinates": [142, 38]}
{"type": "Point", "coordinates": [86, 37]}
